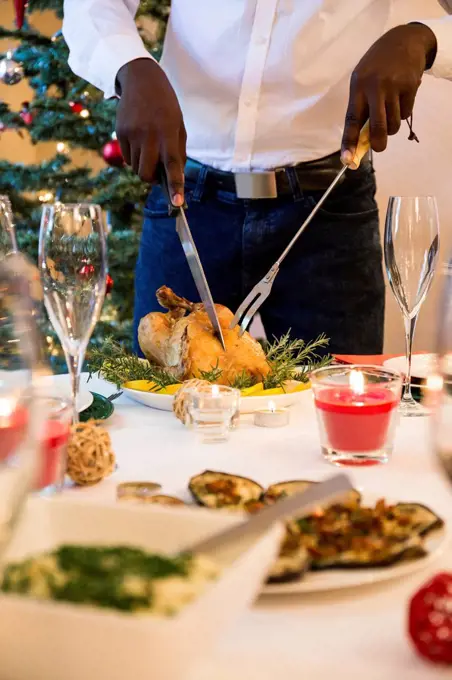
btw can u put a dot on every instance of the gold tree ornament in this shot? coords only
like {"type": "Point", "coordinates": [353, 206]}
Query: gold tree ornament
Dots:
{"type": "Point", "coordinates": [180, 398]}
{"type": "Point", "coordinates": [89, 454]}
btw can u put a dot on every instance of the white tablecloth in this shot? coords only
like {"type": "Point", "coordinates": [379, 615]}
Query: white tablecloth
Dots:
{"type": "Point", "coordinates": [350, 634]}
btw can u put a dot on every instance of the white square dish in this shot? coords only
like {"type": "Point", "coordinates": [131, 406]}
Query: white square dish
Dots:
{"type": "Point", "coordinates": [42, 640]}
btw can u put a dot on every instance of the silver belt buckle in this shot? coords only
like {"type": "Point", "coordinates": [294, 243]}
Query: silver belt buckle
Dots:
{"type": "Point", "coordinates": [256, 184]}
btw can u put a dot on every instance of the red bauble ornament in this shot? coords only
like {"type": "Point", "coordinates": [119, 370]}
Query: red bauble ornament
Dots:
{"type": "Point", "coordinates": [112, 154]}
{"type": "Point", "coordinates": [76, 107]}
{"type": "Point", "coordinates": [26, 114]}
{"type": "Point", "coordinates": [19, 7]}
{"type": "Point", "coordinates": [86, 271]}
{"type": "Point", "coordinates": [109, 284]}
{"type": "Point", "coordinates": [430, 619]}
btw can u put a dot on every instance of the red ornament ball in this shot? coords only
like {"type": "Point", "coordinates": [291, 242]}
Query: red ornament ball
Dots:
{"type": "Point", "coordinates": [109, 284]}
{"type": "Point", "coordinates": [86, 271]}
{"type": "Point", "coordinates": [26, 114]}
{"type": "Point", "coordinates": [430, 619]}
{"type": "Point", "coordinates": [112, 154]}
{"type": "Point", "coordinates": [76, 107]}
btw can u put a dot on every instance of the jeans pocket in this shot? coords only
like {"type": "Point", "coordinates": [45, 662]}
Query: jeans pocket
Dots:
{"type": "Point", "coordinates": [156, 205]}
{"type": "Point", "coordinates": [353, 200]}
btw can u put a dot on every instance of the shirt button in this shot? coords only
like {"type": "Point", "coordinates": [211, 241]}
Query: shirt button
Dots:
{"type": "Point", "coordinates": [261, 40]}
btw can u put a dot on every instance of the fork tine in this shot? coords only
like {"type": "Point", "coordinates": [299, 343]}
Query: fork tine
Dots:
{"type": "Point", "coordinates": [255, 292]}
{"type": "Point", "coordinates": [263, 295]}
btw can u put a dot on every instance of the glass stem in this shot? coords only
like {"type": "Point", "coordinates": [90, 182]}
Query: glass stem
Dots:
{"type": "Point", "coordinates": [410, 325]}
{"type": "Point", "coordinates": [75, 367]}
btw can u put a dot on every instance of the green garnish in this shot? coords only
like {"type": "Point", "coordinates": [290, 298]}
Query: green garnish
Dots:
{"type": "Point", "coordinates": [286, 357]}
{"type": "Point", "coordinates": [116, 578]}
{"type": "Point", "coordinates": [288, 360]}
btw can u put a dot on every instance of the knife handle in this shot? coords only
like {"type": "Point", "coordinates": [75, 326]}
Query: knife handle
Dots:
{"type": "Point", "coordinates": [362, 148]}
{"type": "Point", "coordinates": [173, 210]}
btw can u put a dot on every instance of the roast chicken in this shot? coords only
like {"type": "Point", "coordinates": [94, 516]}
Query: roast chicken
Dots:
{"type": "Point", "coordinates": [183, 341]}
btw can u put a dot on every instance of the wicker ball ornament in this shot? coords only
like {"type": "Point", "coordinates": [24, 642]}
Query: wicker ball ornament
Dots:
{"type": "Point", "coordinates": [180, 398]}
{"type": "Point", "coordinates": [89, 454]}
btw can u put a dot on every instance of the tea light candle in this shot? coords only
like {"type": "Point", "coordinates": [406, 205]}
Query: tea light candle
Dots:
{"type": "Point", "coordinates": [272, 416]}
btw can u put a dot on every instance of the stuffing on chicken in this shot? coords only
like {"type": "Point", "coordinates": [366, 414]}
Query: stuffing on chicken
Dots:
{"type": "Point", "coordinates": [183, 341]}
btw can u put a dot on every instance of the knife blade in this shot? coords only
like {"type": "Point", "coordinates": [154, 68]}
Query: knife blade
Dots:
{"type": "Point", "coordinates": [197, 272]}
{"type": "Point", "coordinates": [192, 256]}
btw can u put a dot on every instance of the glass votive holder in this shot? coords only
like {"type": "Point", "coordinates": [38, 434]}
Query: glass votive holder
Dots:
{"type": "Point", "coordinates": [54, 436]}
{"type": "Point", "coordinates": [356, 410]}
{"type": "Point", "coordinates": [213, 411]}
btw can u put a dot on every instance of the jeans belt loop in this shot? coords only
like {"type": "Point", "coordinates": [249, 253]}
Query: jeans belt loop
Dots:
{"type": "Point", "coordinates": [292, 176]}
{"type": "Point", "coordinates": [200, 183]}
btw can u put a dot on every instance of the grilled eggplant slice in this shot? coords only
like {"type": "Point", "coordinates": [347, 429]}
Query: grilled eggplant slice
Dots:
{"type": "Point", "coordinates": [161, 499]}
{"type": "Point", "coordinates": [423, 520]}
{"type": "Point", "coordinates": [292, 563]}
{"type": "Point", "coordinates": [221, 490]}
{"type": "Point", "coordinates": [283, 489]}
{"type": "Point", "coordinates": [410, 549]}
{"type": "Point", "coordinates": [276, 492]}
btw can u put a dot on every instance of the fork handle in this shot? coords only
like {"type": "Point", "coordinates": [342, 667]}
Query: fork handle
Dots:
{"type": "Point", "coordinates": [362, 148]}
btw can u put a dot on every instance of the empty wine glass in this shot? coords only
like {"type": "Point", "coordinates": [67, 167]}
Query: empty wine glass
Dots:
{"type": "Point", "coordinates": [20, 414]}
{"type": "Point", "coordinates": [411, 245]}
{"type": "Point", "coordinates": [8, 243]}
{"type": "Point", "coordinates": [73, 267]}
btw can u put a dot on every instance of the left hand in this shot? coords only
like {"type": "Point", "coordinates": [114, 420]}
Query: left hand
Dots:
{"type": "Point", "coordinates": [384, 84]}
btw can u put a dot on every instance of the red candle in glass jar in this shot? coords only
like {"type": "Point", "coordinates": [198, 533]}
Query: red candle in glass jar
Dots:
{"type": "Point", "coordinates": [356, 417]}
{"type": "Point", "coordinates": [13, 426]}
{"type": "Point", "coordinates": [53, 440]}
{"type": "Point", "coordinates": [52, 453]}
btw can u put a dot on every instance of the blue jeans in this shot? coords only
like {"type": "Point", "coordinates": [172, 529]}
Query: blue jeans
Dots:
{"type": "Point", "coordinates": [331, 282]}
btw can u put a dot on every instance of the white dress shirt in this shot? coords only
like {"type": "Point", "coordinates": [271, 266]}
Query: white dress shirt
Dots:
{"type": "Point", "coordinates": [261, 83]}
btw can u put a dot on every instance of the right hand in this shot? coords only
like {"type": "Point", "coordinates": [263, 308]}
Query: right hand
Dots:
{"type": "Point", "coordinates": [149, 125]}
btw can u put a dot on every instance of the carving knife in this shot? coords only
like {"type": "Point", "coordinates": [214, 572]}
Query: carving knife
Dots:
{"type": "Point", "coordinates": [191, 253]}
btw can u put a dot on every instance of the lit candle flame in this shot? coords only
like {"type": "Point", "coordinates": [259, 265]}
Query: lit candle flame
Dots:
{"type": "Point", "coordinates": [6, 407]}
{"type": "Point", "coordinates": [271, 406]}
{"type": "Point", "coordinates": [435, 383]}
{"type": "Point", "coordinates": [357, 382]}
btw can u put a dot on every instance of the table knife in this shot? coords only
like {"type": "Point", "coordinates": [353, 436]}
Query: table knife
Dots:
{"type": "Point", "coordinates": [191, 253]}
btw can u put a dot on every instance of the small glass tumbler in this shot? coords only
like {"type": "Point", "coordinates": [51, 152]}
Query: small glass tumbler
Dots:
{"type": "Point", "coordinates": [53, 444]}
{"type": "Point", "coordinates": [213, 411]}
{"type": "Point", "coordinates": [357, 413]}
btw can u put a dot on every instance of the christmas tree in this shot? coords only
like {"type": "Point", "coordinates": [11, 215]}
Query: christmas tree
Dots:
{"type": "Point", "coordinates": [73, 114]}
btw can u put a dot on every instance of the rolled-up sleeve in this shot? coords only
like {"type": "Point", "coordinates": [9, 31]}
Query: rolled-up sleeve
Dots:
{"type": "Point", "coordinates": [102, 37]}
{"type": "Point", "coordinates": [442, 28]}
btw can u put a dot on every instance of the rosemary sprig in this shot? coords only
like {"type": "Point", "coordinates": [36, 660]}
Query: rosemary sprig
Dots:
{"type": "Point", "coordinates": [286, 357]}
{"type": "Point", "coordinates": [243, 380]}
{"type": "Point", "coordinates": [213, 375]}
{"type": "Point", "coordinates": [118, 366]}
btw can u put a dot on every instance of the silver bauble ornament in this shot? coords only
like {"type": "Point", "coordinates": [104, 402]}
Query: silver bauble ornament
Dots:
{"type": "Point", "coordinates": [11, 72]}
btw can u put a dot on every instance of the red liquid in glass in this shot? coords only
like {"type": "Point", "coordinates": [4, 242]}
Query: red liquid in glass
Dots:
{"type": "Point", "coordinates": [13, 429]}
{"type": "Point", "coordinates": [52, 453]}
{"type": "Point", "coordinates": [356, 422]}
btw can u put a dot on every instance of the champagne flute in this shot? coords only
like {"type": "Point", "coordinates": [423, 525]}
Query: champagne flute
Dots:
{"type": "Point", "coordinates": [411, 243]}
{"type": "Point", "coordinates": [73, 267]}
{"type": "Point", "coordinates": [20, 414]}
{"type": "Point", "coordinates": [8, 243]}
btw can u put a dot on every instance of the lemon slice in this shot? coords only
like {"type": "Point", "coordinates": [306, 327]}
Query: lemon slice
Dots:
{"type": "Point", "coordinates": [248, 391]}
{"type": "Point", "coordinates": [141, 385]}
{"type": "Point", "coordinates": [296, 386]}
{"type": "Point", "coordinates": [170, 389]}
{"type": "Point", "coordinates": [273, 392]}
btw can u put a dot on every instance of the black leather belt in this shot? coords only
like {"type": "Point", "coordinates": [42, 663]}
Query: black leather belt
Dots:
{"type": "Point", "coordinates": [313, 176]}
